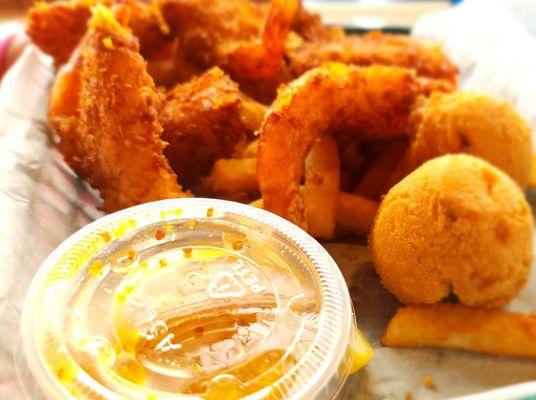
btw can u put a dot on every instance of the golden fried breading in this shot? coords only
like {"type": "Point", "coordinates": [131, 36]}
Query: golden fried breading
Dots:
{"type": "Point", "coordinates": [454, 326]}
{"type": "Point", "coordinates": [230, 34]}
{"type": "Point", "coordinates": [477, 124]}
{"type": "Point", "coordinates": [372, 103]}
{"type": "Point", "coordinates": [147, 24]}
{"type": "Point", "coordinates": [57, 28]}
{"type": "Point", "coordinates": [204, 120]}
{"type": "Point", "coordinates": [118, 135]}
{"type": "Point", "coordinates": [455, 225]}
{"type": "Point", "coordinates": [63, 111]}
{"type": "Point", "coordinates": [206, 28]}
{"type": "Point", "coordinates": [253, 60]}
{"type": "Point", "coordinates": [435, 71]}
{"type": "Point", "coordinates": [374, 48]}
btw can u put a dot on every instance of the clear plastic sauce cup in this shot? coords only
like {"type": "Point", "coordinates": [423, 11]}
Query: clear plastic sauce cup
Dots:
{"type": "Point", "coordinates": [189, 299]}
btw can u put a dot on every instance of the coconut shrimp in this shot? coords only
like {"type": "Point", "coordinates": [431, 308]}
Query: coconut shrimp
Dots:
{"type": "Point", "coordinates": [105, 112]}
{"type": "Point", "coordinates": [58, 27]}
{"type": "Point", "coordinates": [204, 120]}
{"type": "Point", "coordinates": [256, 61]}
{"type": "Point", "coordinates": [373, 103]}
{"type": "Point", "coordinates": [230, 34]}
{"type": "Point", "coordinates": [427, 59]}
{"type": "Point", "coordinates": [63, 111]}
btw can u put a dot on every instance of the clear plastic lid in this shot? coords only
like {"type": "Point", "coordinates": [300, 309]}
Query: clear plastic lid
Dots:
{"type": "Point", "coordinates": [190, 298]}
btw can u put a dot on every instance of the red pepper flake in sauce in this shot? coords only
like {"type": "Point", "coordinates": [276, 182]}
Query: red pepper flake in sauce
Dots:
{"type": "Point", "coordinates": [159, 235]}
{"type": "Point", "coordinates": [106, 236]}
{"type": "Point", "coordinates": [187, 251]}
{"type": "Point", "coordinates": [210, 212]}
{"type": "Point", "coordinates": [131, 254]}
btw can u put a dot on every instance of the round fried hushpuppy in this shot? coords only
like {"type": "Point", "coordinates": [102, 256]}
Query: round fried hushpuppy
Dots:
{"type": "Point", "coordinates": [456, 225]}
{"type": "Point", "coordinates": [471, 123]}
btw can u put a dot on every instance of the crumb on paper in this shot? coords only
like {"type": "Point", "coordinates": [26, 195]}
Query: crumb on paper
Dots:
{"type": "Point", "coordinates": [409, 396]}
{"type": "Point", "coordinates": [163, 262]}
{"type": "Point", "coordinates": [187, 251]}
{"type": "Point", "coordinates": [428, 383]}
{"type": "Point", "coordinates": [210, 212]}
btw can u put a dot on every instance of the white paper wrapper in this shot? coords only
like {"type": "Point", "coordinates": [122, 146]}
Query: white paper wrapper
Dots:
{"type": "Point", "coordinates": [493, 43]}
{"type": "Point", "coordinates": [42, 203]}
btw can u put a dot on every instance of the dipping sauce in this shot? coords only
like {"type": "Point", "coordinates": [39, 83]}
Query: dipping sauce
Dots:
{"type": "Point", "coordinates": [191, 298]}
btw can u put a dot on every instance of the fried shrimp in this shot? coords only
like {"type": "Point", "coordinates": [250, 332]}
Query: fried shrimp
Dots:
{"type": "Point", "coordinates": [372, 103]}
{"type": "Point", "coordinates": [255, 61]}
{"type": "Point", "coordinates": [63, 110]}
{"type": "Point", "coordinates": [375, 48]}
{"type": "Point", "coordinates": [117, 134]}
{"type": "Point", "coordinates": [206, 27]}
{"type": "Point", "coordinates": [228, 34]}
{"type": "Point", "coordinates": [58, 27]}
{"type": "Point", "coordinates": [204, 120]}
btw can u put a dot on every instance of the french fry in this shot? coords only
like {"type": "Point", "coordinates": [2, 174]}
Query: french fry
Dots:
{"type": "Point", "coordinates": [250, 150]}
{"type": "Point", "coordinates": [320, 192]}
{"type": "Point", "coordinates": [355, 213]}
{"type": "Point", "coordinates": [455, 326]}
{"type": "Point", "coordinates": [234, 175]}
{"type": "Point", "coordinates": [239, 197]}
{"type": "Point", "coordinates": [259, 203]}
{"type": "Point", "coordinates": [373, 182]}
{"type": "Point", "coordinates": [532, 179]}
{"type": "Point", "coordinates": [252, 113]}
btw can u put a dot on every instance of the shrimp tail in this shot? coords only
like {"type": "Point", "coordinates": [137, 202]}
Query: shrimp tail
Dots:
{"type": "Point", "coordinates": [264, 59]}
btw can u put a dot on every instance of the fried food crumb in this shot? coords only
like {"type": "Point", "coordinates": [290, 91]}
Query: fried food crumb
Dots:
{"type": "Point", "coordinates": [187, 252]}
{"type": "Point", "coordinates": [409, 396]}
{"type": "Point", "coordinates": [159, 235]}
{"type": "Point", "coordinates": [428, 383]}
{"type": "Point", "coordinates": [108, 43]}
{"type": "Point", "coordinates": [210, 212]}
